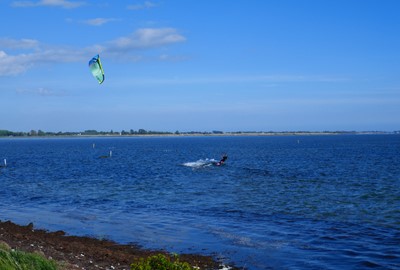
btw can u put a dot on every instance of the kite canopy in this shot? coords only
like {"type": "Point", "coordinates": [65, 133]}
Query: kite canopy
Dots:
{"type": "Point", "coordinates": [97, 69]}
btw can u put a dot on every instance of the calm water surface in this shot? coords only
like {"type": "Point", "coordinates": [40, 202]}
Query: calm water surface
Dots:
{"type": "Point", "coordinates": [311, 202]}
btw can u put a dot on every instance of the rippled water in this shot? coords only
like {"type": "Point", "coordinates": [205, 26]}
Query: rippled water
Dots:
{"type": "Point", "coordinates": [295, 202]}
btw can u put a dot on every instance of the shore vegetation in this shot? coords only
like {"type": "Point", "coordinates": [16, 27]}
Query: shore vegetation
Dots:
{"type": "Point", "coordinates": [18, 260]}
{"type": "Point", "coordinates": [161, 262]}
{"type": "Point", "coordinates": [25, 247]}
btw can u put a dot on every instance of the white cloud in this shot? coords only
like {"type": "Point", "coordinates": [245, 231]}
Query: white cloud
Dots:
{"type": "Point", "coordinates": [13, 65]}
{"type": "Point", "coordinates": [146, 38]}
{"type": "Point", "coordinates": [172, 58]}
{"type": "Point", "coordinates": [18, 44]}
{"type": "Point", "coordinates": [36, 53]}
{"type": "Point", "coordinates": [270, 80]}
{"type": "Point", "coordinates": [17, 64]}
{"type": "Point", "coordinates": [53, 3]}
{"type": "Point", "coordinates": [145, 5]}
{"type": "Point", "coordinates": [99, 21]}
{"type": "Point", "coordinates": [44, 92]}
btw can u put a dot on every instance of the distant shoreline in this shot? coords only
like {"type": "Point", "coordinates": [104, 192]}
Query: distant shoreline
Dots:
{"type": "Point", "coordinates": [194, 134]}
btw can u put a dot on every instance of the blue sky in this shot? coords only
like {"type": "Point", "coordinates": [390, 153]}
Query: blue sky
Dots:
{"type": "Point", "coordinates": [200, 65]}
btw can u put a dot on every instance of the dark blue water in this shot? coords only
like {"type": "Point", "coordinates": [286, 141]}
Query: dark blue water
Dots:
{"type": "Point", "coordinates": [312, 202]}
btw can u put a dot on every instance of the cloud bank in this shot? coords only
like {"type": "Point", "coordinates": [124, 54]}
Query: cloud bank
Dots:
{"type": "Point", "coordinates": [18, 44]}
{"type": "Point", "coordinates": [36, 53]}
{"type": "Point", "coordinates": [53, 3]}
{"type": "Point", "coordinates": [145, 5]}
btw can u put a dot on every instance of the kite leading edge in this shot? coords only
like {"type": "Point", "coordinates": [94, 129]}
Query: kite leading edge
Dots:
{"type": "Point", "coordinates": [97, 69]}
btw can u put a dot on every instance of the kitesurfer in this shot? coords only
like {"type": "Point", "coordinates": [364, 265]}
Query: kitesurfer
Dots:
{"type": "Point", "coordinates": [222, 161]}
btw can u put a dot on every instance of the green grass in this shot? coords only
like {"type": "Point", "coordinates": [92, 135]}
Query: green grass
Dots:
{"type": "Point", "coordinates": [160, 262]}
{"type": "Point", "coordinates": [18, 260]}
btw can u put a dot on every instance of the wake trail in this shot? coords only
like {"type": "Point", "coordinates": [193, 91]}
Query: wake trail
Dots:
{"type": "Point", "coordinates": [201, 163]}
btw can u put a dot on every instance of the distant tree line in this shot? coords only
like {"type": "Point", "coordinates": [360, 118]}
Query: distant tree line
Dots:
{"type": "Point", "coordinates": [92, 132]}
{"type": "Point", "coordinates": [34, 133]}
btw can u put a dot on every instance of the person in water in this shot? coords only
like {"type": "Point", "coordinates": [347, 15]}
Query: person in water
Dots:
{"type": "Point", "coordinates": [222, 161]}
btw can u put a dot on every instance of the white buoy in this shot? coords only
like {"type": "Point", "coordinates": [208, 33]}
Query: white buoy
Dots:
{"type": "Point", "coordinates": [5, 162]}
{"type": "Point", "coordinates": [110, 153]}
{"type": "Point", "coordinates": [94, 145]}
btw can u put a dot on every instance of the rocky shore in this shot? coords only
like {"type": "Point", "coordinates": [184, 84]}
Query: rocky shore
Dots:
{"type": "Point", "coordinates": [84, 252]}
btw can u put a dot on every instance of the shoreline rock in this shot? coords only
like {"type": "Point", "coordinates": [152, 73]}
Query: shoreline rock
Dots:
{"type": "Point", "coordinates": [84, 252]}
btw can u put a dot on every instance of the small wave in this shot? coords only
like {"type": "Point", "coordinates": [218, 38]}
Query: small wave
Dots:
{"type": "Point", "coordinates": [236, 239]}
{"type": "Point", "coordinates": [368, 264]}
{"type": "Point", "coordinates": [244, 241]}
{"type": "Point", "coordinates": [201, 163]}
